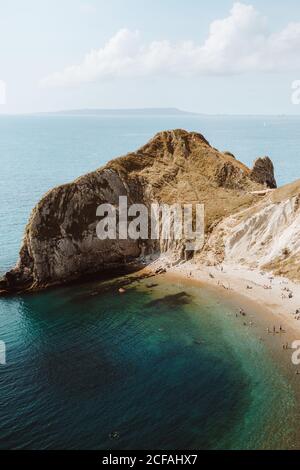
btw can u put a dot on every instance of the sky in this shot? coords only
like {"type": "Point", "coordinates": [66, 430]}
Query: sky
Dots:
{"type": "Point", "coordinates": [217, 57]}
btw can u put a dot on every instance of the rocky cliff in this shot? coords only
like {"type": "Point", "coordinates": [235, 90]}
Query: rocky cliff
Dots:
{"type": "Point", "coordinates": [265, 236]}
{"type": "Point", "coordinates": [60, 241]}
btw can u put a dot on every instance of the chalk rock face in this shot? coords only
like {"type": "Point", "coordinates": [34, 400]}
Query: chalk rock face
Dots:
{"type": "Point", "coordinates": [264, 236]}
{"type": "Point", "coordinates": [60, 241]}
{"type": "Point", "coordinates": [263, 172]}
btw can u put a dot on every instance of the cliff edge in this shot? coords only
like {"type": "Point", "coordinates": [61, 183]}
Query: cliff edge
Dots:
{"type": "Point", "coordinates": [60, 241]}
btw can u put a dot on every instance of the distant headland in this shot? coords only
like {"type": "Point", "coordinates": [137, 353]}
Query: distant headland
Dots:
{"type": "Point", "coordinates": [121, 112]}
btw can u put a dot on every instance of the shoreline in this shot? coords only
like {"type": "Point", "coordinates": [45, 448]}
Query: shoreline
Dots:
{"type": "Point", "coordinates": [277, 296]}
{"type": "Point", "coordinates": [263, 308]}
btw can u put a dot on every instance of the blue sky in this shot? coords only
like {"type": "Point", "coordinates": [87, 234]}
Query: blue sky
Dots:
{"type": "Point", "coordinates": [157, 53]}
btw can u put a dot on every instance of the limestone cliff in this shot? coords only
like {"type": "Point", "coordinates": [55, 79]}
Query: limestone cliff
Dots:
{"type": "Point", "coordinates": [60, 241]}
{"type": "Point", "coordinates": [265, 236]}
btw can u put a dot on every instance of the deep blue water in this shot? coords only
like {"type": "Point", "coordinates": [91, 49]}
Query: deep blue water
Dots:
{"type": "Point", "coordinates": [165, 368]}
{"type": "Point", "coordinates": [83, 362]}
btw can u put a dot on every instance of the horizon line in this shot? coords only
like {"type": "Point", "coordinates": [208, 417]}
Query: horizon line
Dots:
{"type": "Point", "coordinates": [145, 110]}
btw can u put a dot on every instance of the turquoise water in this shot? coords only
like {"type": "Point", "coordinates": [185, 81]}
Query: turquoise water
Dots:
{"type": "Point", "coordinates": [167, 367]}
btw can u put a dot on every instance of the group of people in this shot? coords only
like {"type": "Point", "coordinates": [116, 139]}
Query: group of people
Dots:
{"type": "Point", "coordinates": [243, 314]}
{"type": "Point", "coordinates": [288, 295]}
{"type": "Point", "coordinates": [281, 330]}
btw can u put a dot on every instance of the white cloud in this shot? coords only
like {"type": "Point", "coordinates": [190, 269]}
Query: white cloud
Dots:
{"type": "Point", "coordinates": [237, 44]}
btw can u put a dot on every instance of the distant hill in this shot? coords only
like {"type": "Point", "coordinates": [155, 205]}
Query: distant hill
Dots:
{"type": "Point", "coordinates": [118, 112]}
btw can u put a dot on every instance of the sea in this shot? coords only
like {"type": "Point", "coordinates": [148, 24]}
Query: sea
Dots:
{"type": "Point", "coordinates": [165, 366]}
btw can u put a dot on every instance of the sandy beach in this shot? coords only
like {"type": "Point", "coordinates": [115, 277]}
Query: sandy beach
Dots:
{"type": "Point", "coordinates": [279, 296]}
{"type": "Point", "coordinates": [276, 298]}
{"type": "Point", "coordinates": [263, 303]}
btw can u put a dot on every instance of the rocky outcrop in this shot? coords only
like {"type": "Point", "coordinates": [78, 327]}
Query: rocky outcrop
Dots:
{"type": "Point", "coordinates": [263, 172]}
{"type": "Point", "coordinates": [60, 241]}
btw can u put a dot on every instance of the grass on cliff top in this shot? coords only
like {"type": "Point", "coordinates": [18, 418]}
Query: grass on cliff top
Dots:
{"type": "Point", "coordinates": [182, 167]}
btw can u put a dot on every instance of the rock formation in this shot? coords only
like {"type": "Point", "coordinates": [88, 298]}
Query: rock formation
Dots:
{"type": "Point", "coordinates": [60, 241]}
{"type": "Point", "coordinates": [265, 236]}
{"type": "Point", "coordinates": [263, 172]}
